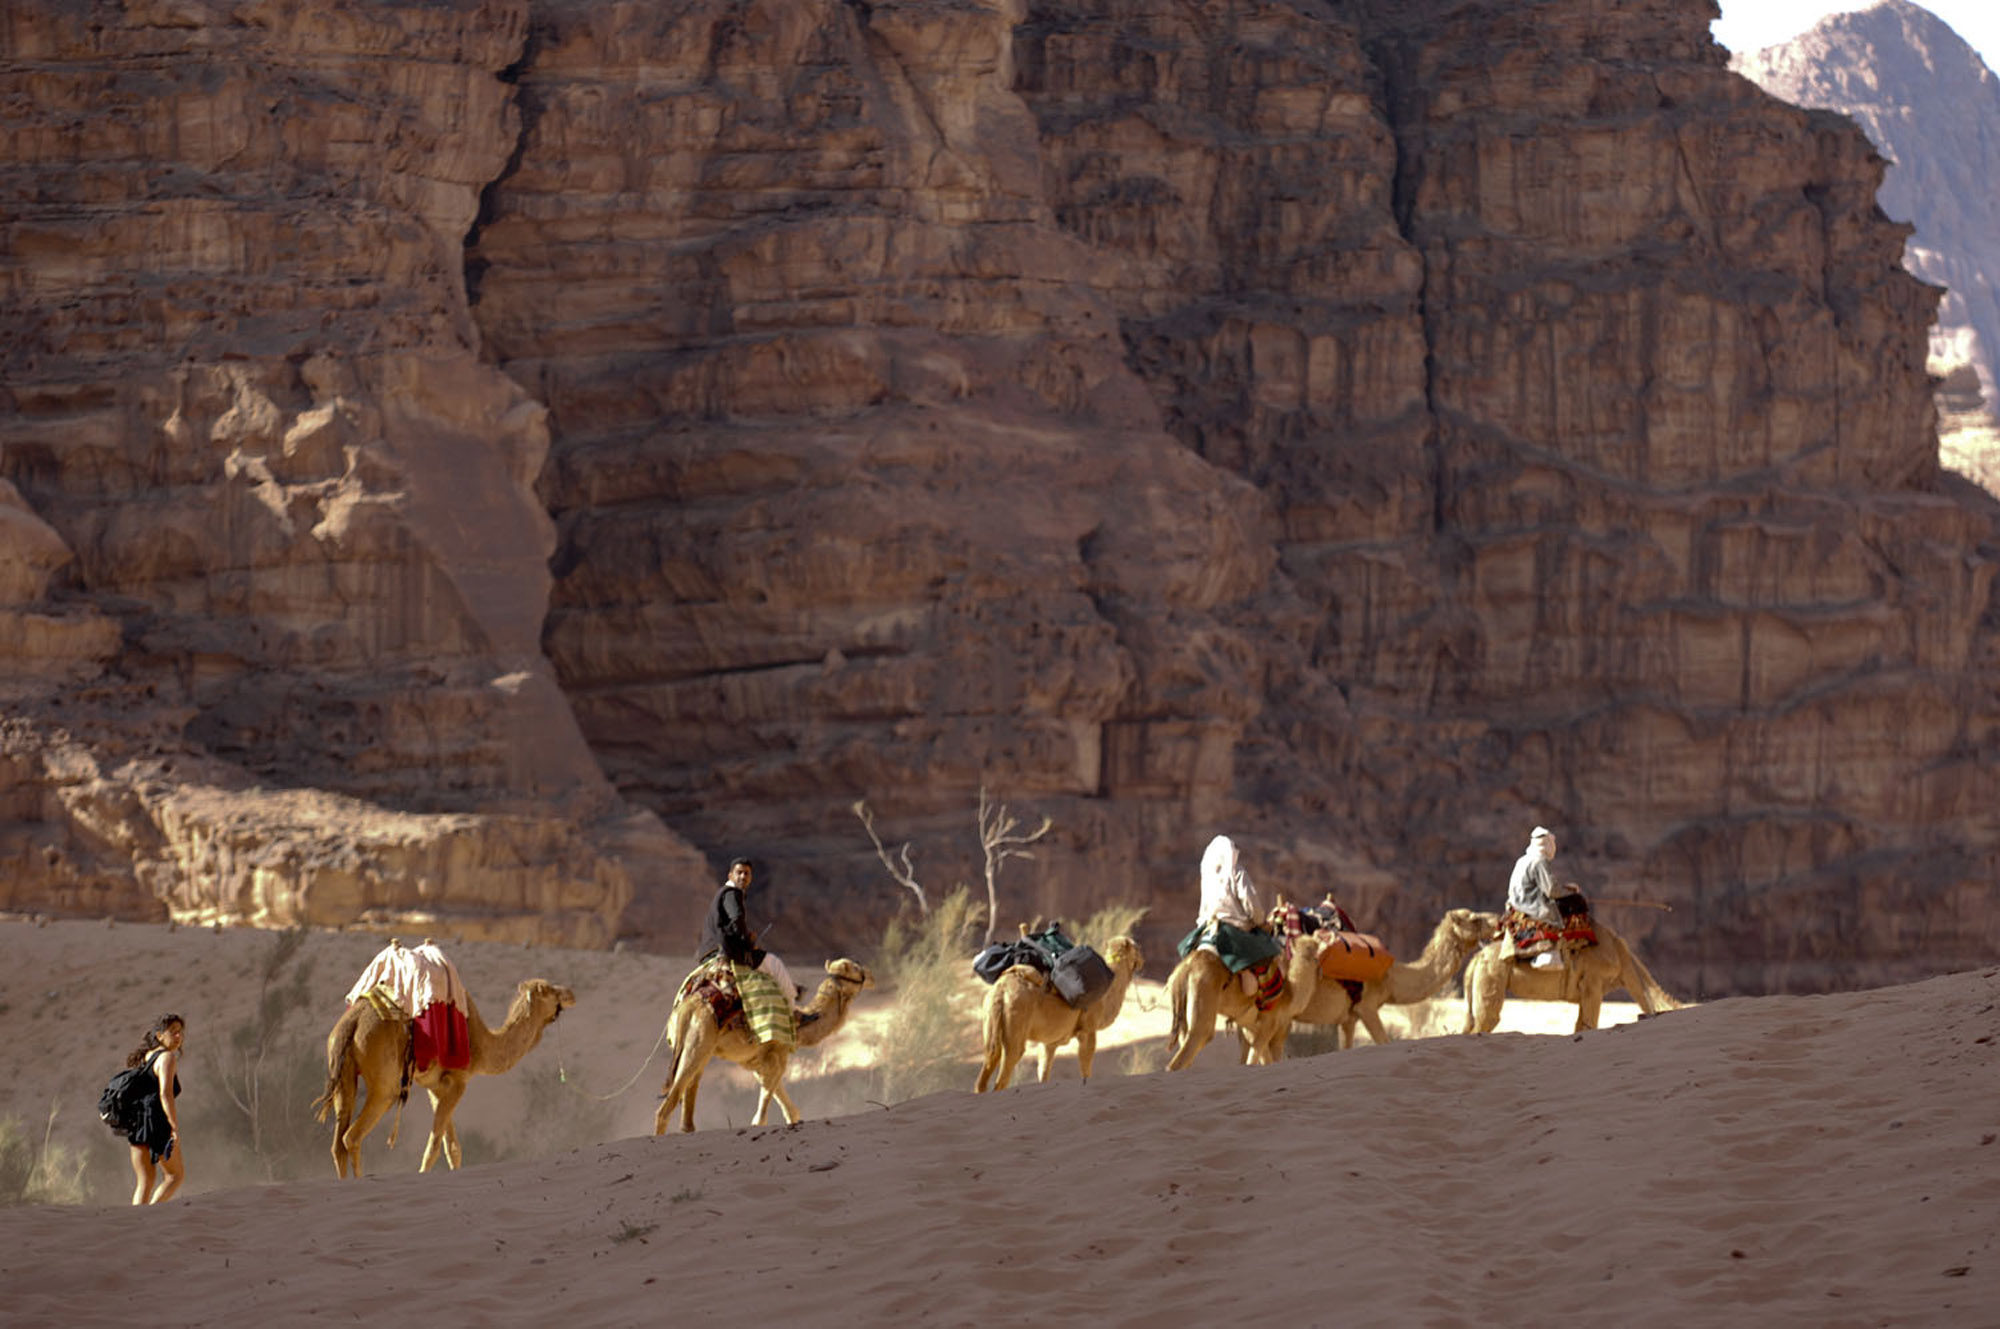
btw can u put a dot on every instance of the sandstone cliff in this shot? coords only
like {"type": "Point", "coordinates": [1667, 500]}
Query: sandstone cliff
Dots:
{"type": "Point", "coordinates": [1367, 429]}
{"type": "Point", "coordinates": [1927, 100]}
{"type": "Point", "coordinates": [281, 567]}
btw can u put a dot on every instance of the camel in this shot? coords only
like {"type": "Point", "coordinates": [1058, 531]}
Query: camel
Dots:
{"type": "Point", "coordinates": [1201, 987]}
{"type": "Point", "coordinates": [1021, 1008]}
{"type": "Point", "coordinates": [1458, 934]}
{"type": "Point", "coordinates": [697, 1040]}
{"type": "Point", "coordinates": [1493, 976]}
{"type": "Point", "coordinates": [367, 1047]}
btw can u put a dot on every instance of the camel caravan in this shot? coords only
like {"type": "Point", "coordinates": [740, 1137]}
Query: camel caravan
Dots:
{"type": "Point", "coordinates": [410, 1021]}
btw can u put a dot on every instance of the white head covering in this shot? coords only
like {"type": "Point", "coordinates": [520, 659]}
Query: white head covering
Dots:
{"type": "Point", "coordinates": [1226, 891]}
{"type": "Point", "coordinates": [1218, 863]}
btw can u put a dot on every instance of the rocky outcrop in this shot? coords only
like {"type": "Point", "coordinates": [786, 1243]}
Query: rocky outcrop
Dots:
{"type": "Point", "coordinates": [274, 511]}
{"type": "Point", "coordinates": [1370, 430]}
{"type": "Point", "coordinates": [1927, 100]}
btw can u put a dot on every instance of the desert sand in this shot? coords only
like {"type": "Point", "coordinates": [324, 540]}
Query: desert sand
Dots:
{"type": "Point", "coordinates": [1825, 1161]}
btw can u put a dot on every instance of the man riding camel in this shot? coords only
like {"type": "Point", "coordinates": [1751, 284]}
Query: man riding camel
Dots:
{"type": "Point", "coordinates": [1231, 921]}
{"type": "Point", "coordinates": [1532, 893]}
{"type": "Point", "coordinates": [761, 980]}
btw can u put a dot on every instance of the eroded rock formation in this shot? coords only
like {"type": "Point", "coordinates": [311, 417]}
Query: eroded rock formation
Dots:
{"type": "Point", "coordinates": [1367, 429]}
{"type": "Point", "coordinates": [1926, 99]}
{"type": "Point", "coordinates": [282, 564]}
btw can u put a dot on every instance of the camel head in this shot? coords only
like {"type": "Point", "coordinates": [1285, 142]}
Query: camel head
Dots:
{"type": "Point", "coordinates": [1305, 956]}
{"type": "Point", "coordinates": [544, 998]}
{"type": "Point", "coordinates": [849, 972]}
{"type": "Point", "coordinates": [1123, 954]}
{"type": "Point", "coordinates": [1470, 929]}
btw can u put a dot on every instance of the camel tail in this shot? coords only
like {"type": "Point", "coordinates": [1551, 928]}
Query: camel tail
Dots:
{"type": "Point", "coordinates": [1652, 998]}
{"type": "Point", "coordinates": [1177, 1030]}
{"type": "Point", "coordinates": [339, 1052]}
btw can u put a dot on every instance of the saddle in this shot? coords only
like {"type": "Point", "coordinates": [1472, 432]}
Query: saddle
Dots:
{"type": "Point", "coordinates": [715, 987]}
{"type": "Point", "coordinates": [1531, 936]}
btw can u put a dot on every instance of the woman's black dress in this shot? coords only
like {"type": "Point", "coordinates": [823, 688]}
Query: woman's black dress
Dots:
{"type": "Point", "coordinates": [155, 1132]}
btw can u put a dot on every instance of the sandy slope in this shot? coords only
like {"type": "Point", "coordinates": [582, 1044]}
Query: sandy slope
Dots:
{"type": "Point", "coordinates": [1824, 1161]}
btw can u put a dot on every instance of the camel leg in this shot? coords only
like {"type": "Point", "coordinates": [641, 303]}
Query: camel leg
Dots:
{"type": "Point", "coordinates": [1589, 1004]}
{"type": "Point", "coordinates": [444, 1101]}
{"type": "Point", "coordinates": [342, 1091]}
{"type": "Point", "coordinates": [1086, 1050]}
{"type": "Point", "coordinates": [1010, 1057]}
{"type": "Point", "coordinates": [674, 1093]}
{"type": "Point", "coordinates": [373, 1109]}
{"type": "Point", "coordinates": [687, 1104]}
{"type": "Point", "coordinates": [670, 1098]}
{"type": "Point", "coordinates": [694, 1043]}
{"type": "Point", "coordinates": [1200, 1023]}
{"type": "Point", "coordinates": [990, 1066]}
{"type": "Point", "coordinates": [1372, 1019]}
{"type": "Point", "coordinates": [769, 1068]}
{"type": "Point", "coordinates": [342, 1118]}
{"type": "Point", "coordinates": [1267, 1041]}
{"type": "Point", "coordinates": [1485, 994]}
{"type": "Point", "coordinates": [1045, 1060]}
{"type": "Point", "coordinates": [776, 1089]}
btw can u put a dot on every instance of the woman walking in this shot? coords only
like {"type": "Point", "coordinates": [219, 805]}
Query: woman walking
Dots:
{"type": "Point", "coordinates": [156, 1141]}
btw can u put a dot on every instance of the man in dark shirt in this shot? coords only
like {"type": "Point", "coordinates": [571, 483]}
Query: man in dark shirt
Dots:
{"type": "Point", "coordinates": [726, 929]}
{"type": "Point", "coordinates": [727, 932]}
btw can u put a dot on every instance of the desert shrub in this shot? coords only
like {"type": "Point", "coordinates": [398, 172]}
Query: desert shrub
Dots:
{"type": "Point", "coordinates": [36, 1170]}
{"type": "Point", "coordinates": [1141, 1058]}
{"type": "Point", "coordinates": [932, 1034]}
{"type": "Point", "coordinates": [1114, 920]}
{"type": "Point", "coordinates": [555, 1116]}
{"type": "Point", "coordinates": [251, 1120]}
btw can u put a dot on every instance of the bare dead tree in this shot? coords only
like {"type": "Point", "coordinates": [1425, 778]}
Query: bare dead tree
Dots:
{"type": "Point", "coordinates": [1000, 839]}
{"type": "Point", "coordinates": [906, 874]}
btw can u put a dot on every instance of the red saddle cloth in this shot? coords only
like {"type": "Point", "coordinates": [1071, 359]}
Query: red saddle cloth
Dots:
{"type": "Point", "coordinates": [441, 1038]}
{"type": "Point", "coordinates": [712, 982]}
{"type": "Point", "coordinates": [1574, 930]}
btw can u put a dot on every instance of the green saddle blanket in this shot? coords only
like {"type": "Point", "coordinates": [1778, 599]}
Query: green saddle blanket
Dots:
{"type": "Point", "coordinates": [766, 1010]}
{"type": "Point", "coordinates": [1239, 949]}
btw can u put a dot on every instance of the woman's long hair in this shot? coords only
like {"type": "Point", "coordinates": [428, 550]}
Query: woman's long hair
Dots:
{"type": "Point", "coordinates": [152, 1039]}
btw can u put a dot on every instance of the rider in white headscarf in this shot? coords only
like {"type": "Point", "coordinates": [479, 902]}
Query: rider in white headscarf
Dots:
{"type": "Point", "coordinates": [1227, 894]}
{"type": "Point", "coordinates": [1533, 889]}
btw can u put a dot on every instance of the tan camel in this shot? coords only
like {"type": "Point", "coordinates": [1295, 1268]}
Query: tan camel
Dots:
{"type": "Point", "coordinates": [1591, 972]}
{"type": "Point", "coordinates": [1201, 988]}
{"type": "Point", "coordinates": [1458, 934]}
{"type": "Point", "coordinates": [1021, 1008]}
{"type": "Point", "coordinates": [363, 1046]}
{"type": "Point", "coordinates": [697, 1040]}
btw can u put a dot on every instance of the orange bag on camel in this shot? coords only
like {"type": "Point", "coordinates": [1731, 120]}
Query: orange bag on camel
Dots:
{"type": "Point", "coordinates": [1354, 956]}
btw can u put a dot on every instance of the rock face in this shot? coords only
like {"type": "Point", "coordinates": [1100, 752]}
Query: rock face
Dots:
{"type": "Point", "coordinates": [277, 556]}
{"type": "Point", "coordinates": [1932, 106]}
{"type": "Point", "coordinates": [1370, 430]}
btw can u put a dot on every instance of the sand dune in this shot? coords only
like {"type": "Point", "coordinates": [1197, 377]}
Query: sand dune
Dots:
{"type": "Point", "coordinates": [1823, 1161]}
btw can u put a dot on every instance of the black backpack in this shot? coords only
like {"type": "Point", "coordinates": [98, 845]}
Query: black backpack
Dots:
{"type": "Point", "coordinates": [1001, 956]}
{"type": "Point", "coordinates": [122, 1105]}
{"type": "Point", "coordinates": [1080, 976]}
